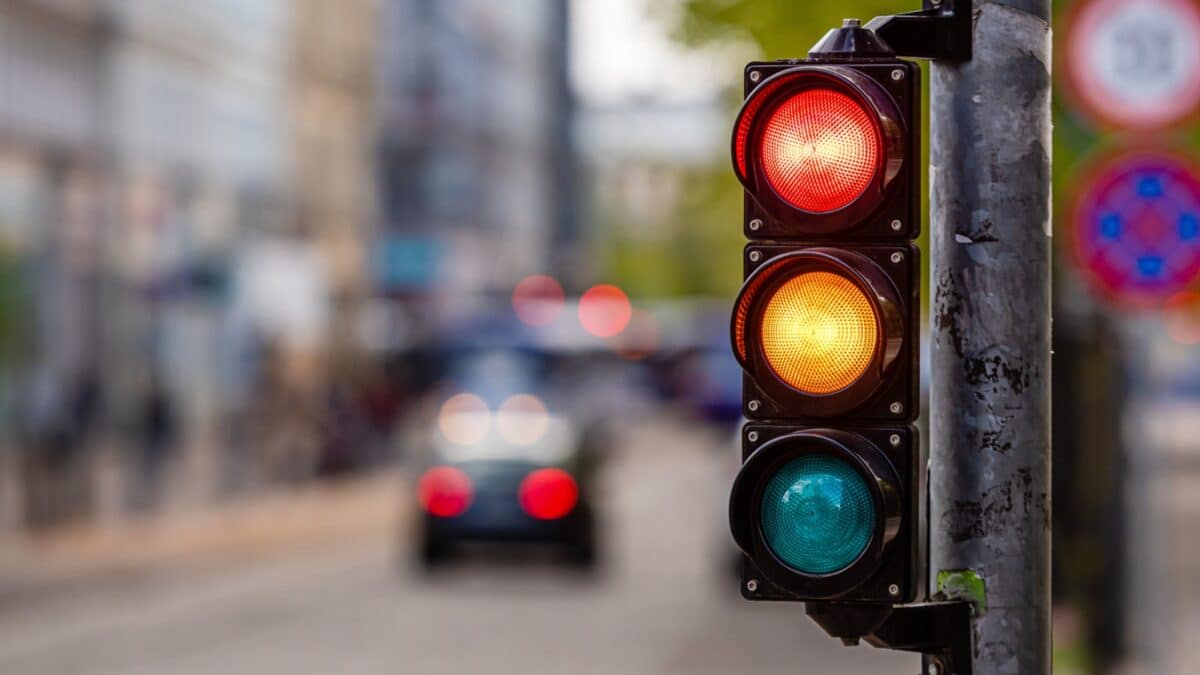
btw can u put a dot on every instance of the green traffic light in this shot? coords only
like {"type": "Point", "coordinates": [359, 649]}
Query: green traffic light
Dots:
{"type": "Point", "coordinates": [817, 514]}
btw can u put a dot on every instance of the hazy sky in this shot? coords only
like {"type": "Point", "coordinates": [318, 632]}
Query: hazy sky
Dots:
{"type": "Point", "coordinates": [620, 52]}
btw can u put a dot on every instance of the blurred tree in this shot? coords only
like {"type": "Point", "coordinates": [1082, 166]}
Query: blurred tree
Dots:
{"type": "Point", "coordinates": [778, 28]}
{"type": "Point", "coordinates": [705, 226]}
{"type": "Point", "coordinates": [679, 258]}
{"type": "Point", "coordinates": [14, 308]}
{"type": "Point", "coordinates": [699, 256]}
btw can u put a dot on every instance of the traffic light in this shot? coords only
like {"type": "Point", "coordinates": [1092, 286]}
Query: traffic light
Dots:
{"type": "Point", "coordinates": [827, 503]}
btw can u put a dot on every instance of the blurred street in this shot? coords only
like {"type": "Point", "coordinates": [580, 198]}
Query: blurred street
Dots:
{"type": "Point", "coordinates": [300, 300]}
{"type": "Point", "coordinates": [343, 598]}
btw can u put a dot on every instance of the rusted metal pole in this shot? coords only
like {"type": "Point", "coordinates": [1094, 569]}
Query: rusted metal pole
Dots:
{"type": "Point", "coordinates": [990, 391]}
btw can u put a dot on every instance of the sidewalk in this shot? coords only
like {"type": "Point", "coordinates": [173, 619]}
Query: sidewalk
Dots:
{"type": "Point", "coordinates": [267, 526]}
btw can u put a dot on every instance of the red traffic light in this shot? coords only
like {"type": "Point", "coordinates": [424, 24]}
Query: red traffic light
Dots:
{"type": "Point", "coordinates": [820, 150]}
{"type": "Point", "coordinates": [821, 142]}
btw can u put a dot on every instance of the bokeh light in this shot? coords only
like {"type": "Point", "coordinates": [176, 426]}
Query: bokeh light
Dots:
{"type": "Point", "coordinates": [538, 300]}
{"type": "Point", "coordinates": [640, 338]}
{"type": "Point", "coordinates": [1181, 317]}
{"type": "Point", "coordinates": [604, 310]}
{"type": "Point", "coordinates": [464, 419]}
{"type": "Point", "coordinates": [548, 494]}
{"type": "Point", "coordinates": [522, 419]}
{"type": "Point", "coordinates": [444, 491]}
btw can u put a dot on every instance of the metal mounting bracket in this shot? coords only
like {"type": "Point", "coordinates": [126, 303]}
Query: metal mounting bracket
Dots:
{"type": "Point", "coordinates": [939, 630]}
{"type": "Point", "coordinates": [942, 30]}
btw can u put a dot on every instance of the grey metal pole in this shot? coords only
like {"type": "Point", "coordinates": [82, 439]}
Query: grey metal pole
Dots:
{"type": "Point", "coordinates": [990, 391]}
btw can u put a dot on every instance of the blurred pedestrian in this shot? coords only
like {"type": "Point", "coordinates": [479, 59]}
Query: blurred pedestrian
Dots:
{"type": "Point", "coordinates": [156, 431]}
{"type": "Point", "coordinates": [54, 422]}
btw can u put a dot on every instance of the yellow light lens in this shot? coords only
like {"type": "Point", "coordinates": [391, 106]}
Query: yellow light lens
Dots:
{"type": "Point", "coordinates": [819, 332]}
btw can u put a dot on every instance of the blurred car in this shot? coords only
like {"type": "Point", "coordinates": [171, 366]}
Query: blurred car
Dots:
{"type": "Point", "coordinates": [502, 493]}
{"type": "Point", "coordinates": [709, 382]}
{"type": "Point", "coordinates": [704, 377]}
{"type": "Point", "coordinates": [502, 468]}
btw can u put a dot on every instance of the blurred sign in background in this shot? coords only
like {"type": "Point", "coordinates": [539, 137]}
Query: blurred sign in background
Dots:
{"type": "Point", "coordinates": [1136, 228]}
{"type": "Point", "coordinates": [1127, 172]}
{"type": "Point", "coordinates": [256, 257]}
{"type": "Point", "coordinates": [1134, 64]}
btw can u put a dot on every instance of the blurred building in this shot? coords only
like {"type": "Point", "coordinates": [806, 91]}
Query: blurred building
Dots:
{"type": "Point", "coordinates": [331, 85]}
{"type": "Point", "coordinates": [648, 165]}
{"type": "Point", "coordinates": [475, 159]}
{"type": "Point", "coordinates": [185, 190]}
{"type": "Point", "coordinates": [636, 157]}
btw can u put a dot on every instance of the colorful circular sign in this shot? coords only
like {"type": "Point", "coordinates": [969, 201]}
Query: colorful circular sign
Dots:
{"type": "Point", "coordinates": [1137, 228]}
{"type": "Point", "coordinates": [1135, 63]}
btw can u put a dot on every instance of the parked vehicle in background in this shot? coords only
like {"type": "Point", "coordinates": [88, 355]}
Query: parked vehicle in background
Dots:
{"type": "Point", "coordinates": [506, 466]}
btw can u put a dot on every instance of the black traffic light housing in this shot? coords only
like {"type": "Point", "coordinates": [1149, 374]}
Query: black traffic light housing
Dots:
{"type": "Point", "coordinates": [863, 428]}
{"type": "Point", "coordinates": [865, 240]}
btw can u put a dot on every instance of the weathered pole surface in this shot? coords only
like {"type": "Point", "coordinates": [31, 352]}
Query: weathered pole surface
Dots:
{"type": "Point", "coordinates": [990, 392]}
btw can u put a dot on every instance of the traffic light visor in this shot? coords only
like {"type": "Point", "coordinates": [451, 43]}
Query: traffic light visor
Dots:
{"type": "Point", "coordinates": [820, 150]}
{"type": "Point", "coordinates": [819, 332]}
{"type": "Point", "coordinates": [817, 514]}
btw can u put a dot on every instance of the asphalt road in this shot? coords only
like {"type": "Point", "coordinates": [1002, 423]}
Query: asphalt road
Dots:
{"type": "Point", "coordinates": [664, 603]}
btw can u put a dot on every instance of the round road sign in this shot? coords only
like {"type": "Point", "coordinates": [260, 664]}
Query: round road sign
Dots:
{"type": "Point", "coordinates": [1135, 63]}
{"type": "Point", "coordinates": [1137, 227]}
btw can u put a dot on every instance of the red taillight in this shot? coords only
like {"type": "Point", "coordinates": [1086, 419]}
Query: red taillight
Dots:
{"type": "Point", "coordinates": [547, 494]}
{"type": "Point", "coordinates": [444, 491]}
{"type": "Point", "coordinates": [820, 150]}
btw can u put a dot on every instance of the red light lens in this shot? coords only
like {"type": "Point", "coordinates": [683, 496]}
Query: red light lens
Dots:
{"type": "Point", "coordinates": [548, 494]}
{"type": "Point", "coordinates": [445, 491]}
{"type": "Point", "coordinates": [820, 150]}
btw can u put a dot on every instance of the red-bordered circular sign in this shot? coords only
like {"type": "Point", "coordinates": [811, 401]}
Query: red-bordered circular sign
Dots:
{"type": "Point", "coordinates": [1135, 63]}
{"type": "Point", "coordinates": [1136, 227]}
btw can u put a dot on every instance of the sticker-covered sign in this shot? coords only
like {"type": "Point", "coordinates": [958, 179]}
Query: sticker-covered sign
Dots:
{"type": "Point", "coordinates": [1135, 63]}
{"type": "Point", "coordinates": [1137, 228]}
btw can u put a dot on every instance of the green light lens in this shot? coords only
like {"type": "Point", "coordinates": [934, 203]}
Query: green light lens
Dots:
{"type": "Point", "coordinates": [817, 514]}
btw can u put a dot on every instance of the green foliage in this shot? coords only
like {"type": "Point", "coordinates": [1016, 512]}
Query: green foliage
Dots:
{"type": "Point", "coordinates": [14, 310]}
{"type": "Point", "coordinates": [711, 240]}
{"type": "Point", "coordinates": [779, 28]}
{"type": "Point", "coordinates": [698, 252]}
{"type": "Point", "coordinates": [707, 228]}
